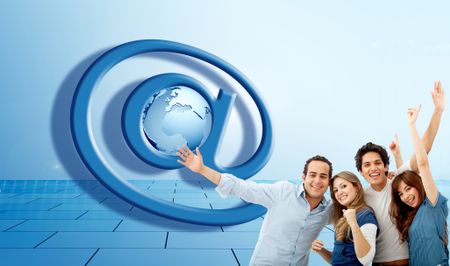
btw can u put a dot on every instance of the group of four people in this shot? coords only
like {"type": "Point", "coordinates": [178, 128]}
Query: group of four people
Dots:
{"type": "Point", "coordinates": [396, 220]}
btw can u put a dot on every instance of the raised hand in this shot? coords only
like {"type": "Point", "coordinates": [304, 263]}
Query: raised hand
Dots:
{"type": "Point", "coordinates": [350, 216]}
{"type": "Point", "coordinates": [189, 159]}
{"type": "Point", "coordinates": [395, 149]}
{"type": "Point", "coordinates": [395, 146]}
{"type": "Point", "coordinates": [391, 175]}
{"type": "Point", "coordinates": [413, 113]}
{"type": "Point", "coordinates": [438, 96]}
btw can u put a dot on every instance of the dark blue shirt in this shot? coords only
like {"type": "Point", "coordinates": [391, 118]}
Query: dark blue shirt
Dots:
{"type": "Point", "coordinates": [344, 251]}
{"type": "Point", "coordinates": [427, 232]}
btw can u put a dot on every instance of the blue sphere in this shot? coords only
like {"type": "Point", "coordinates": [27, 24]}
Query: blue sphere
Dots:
{"type": "Point", "coordinates": [176, 116]}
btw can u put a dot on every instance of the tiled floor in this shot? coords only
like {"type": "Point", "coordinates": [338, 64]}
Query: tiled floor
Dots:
{"type": "Point", "coordinates": [45, 222]}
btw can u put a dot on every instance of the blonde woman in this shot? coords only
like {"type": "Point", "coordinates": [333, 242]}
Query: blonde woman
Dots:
{"type": "Point", "coordinates": [354, 222]}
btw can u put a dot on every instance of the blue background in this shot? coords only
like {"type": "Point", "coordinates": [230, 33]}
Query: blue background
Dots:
{"type": "Point", "coordinates": [333, 75]}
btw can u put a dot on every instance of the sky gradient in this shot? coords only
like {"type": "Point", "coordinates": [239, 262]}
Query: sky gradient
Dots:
{"type": "Point", "coordinates": [333, 76]}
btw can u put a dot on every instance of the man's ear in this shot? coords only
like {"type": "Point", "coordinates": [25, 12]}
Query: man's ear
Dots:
{"type": "Point", "coordinates": [303, 177]}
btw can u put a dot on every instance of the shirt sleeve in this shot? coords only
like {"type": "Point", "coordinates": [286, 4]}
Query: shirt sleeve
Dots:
{"type": "Point", "coordinates": [369, 232]}
{"type": "Point", "coordinates": [405, 167]}
{"type": "Point", "coordinates": [330, 214]}
{"type": "Point", "coordinates": [441, 202]}
{"type": "Point", "coordinates": [250, 191]}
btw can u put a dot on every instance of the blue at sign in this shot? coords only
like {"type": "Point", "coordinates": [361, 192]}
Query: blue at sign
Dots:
{"type": "Point", "coordinates": [131, 126]}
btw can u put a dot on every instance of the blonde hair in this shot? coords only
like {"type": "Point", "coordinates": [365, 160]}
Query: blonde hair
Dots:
{"type": "Point", "coordinates": [340, 223]}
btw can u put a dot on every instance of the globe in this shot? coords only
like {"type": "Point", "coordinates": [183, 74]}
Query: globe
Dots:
{"type": "Point", "coordinates": [176, 116]}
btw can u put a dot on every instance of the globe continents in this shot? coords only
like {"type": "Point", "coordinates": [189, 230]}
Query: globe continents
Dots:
{"type": "Point", "coordinates": [176, 116]}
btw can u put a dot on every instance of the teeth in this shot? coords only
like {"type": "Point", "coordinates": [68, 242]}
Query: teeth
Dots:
{"type": "Point", "coordinates": [342, 198]}
{"type": "Point", "coordinates": [410, 200]}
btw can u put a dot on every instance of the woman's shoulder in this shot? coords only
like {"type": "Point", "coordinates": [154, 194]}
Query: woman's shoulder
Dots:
{"type": "Point", "coordinates": [440, 200]}
{"type": "Point", "coordinates": [366, 215]}
{"type": "Point", "coordinates": [366, 210]}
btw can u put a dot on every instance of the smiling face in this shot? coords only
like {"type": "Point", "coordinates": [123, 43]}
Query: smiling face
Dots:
{"type": "Point", "coordinates": [344, 191]}
{"type": "Point", "coordinates": [374, 170]}
{"type": "Point", "coordinates": [317, 179]}
{"type": "Point", "coordinates": [408, 194]}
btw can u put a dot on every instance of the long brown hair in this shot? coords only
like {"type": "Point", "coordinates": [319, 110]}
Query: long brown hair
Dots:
{"type": "Point", "coordinates": [340, 223]}
{"type": "Point", "coordinates": [402, 215]}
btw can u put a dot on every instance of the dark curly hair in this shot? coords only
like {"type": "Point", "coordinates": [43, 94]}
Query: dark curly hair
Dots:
{"type": "Point", "coordinates": [321, 159]}
{"type": "Point", "coordinates": [371, 147]}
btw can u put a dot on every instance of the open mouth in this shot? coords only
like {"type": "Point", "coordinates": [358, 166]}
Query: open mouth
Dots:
{"type": "Point", "coordinates": [374, 175]}
{"type": "Point", "coordinates": [410, 201]}
{"type": "Point", "coordinates": [342, 198]}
